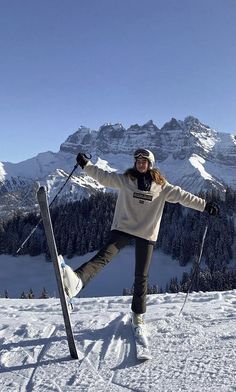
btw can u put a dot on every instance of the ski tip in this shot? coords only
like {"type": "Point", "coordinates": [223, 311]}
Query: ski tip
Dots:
{"type": "Point", "coordinates": [41, 189]}
{"type": "Point", "coordinates": [42, 194]}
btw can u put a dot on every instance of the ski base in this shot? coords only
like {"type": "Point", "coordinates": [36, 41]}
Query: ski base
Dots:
{"type": "Point", "coordinates": [45, 213]}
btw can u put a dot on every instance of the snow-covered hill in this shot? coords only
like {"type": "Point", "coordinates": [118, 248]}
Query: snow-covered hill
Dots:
{"type": "Point", "coordinates": [189, 154]}
{"type": "Point", "coordinates": [192, 352]}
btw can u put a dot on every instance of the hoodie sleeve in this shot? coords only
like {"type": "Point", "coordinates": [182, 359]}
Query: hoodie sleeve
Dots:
{"type": "Point", "coordinates": [175, 194]}
{"type": "Point", "coordinates": [110, 180]}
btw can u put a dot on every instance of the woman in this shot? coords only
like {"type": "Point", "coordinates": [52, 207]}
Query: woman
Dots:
{"type": "Point", "coordinates": [143, 192]}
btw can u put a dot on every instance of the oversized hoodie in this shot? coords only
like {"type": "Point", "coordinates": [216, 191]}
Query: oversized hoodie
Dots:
{"type": "Point", "coordinates": [138, 212]}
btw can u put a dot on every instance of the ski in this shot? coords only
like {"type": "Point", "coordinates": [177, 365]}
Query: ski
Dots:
{"type": "Point", "coordinates": [45, 213]}
{"type": "Point", "coordinates": [141, 344]}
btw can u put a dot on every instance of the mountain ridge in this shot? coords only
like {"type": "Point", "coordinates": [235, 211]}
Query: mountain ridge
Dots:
{"type": "Point", "coordinates": [189, 154]}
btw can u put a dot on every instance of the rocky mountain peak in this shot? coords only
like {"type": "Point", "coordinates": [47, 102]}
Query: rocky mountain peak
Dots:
{"type": "Point", "coordinates": [150, 126]}
{"type": "Point", "coordinates": [173, 124]}
{"type": "Point", "coordinates": [111, 127]}
{"type": "Point", "coordinates": [191, 122]}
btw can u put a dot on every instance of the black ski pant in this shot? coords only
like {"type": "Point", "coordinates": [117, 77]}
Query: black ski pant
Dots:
{"type": "Point", "coordinates": [143, 255]}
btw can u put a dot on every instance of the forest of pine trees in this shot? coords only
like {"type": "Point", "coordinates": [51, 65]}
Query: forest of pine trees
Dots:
{"type": "Point", "coordinates": [84, 226]}
{"type": "Point", "coordinates": [79, 227]}
{"type": "Point", "coordinates": [26, 295]}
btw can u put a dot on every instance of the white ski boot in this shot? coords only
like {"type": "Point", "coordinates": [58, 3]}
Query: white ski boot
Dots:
{"type": "Point", "coordinates": [138, 324]}
{"type": "Point", "coordinates": [71, 281]}
{"type": "Point", "coordinates": [140, 337]}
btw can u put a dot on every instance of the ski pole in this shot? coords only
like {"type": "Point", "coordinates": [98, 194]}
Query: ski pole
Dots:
{"type": "Point", "coordinates": [196, 267]}
{"type": "Point", "coordinates": [89, 156]}
{"type": "Point", "coordinates": [34, 229]}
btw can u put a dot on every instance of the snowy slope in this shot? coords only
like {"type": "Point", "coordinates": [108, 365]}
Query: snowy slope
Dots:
{"type": "Point", "coordinates": [192, 352]}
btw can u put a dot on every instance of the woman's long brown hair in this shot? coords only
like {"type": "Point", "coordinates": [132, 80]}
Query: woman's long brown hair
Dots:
{"type": "Point", "coordinates": [156, 175]}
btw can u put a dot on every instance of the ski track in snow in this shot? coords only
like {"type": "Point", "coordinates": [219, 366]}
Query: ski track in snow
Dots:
{"type": "Point", "coordinates": [195, 351]}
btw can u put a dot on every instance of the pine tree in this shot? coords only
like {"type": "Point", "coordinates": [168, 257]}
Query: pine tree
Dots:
{"type": "Point", "coordinates": [185, 282]}
{"type": "Point", "coordinates": [174, 286]}
{"type": "Point", "coordinates": [44, 294]}
{"type": "Point", "coordinates": [31, 294]}
{"type": "Point", "coordinates": [23, 295]}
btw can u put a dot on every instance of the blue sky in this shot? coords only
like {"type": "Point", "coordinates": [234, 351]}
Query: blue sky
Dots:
{"type": "Point", "coordinates": [66, 63]}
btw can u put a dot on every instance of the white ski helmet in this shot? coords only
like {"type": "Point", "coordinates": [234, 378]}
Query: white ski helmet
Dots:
{"type": "Point", "coordinates": [144, 153]}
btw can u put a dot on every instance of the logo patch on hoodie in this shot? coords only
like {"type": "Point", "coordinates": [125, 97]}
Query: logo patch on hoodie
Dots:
{"type": "Point", "coordinates": [142, 197]}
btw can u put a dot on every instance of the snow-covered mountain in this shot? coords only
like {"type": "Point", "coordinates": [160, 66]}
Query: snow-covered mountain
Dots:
{"type": "Point", "coordinates": [188, 153]}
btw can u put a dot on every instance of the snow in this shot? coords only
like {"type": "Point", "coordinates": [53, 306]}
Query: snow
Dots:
{"type": "Point", "coordinates": [194, 351]}
{"type": "Point", "coordinates": [191, 352]}
{"type": "Point", "coordinates": [198, 163]}
{"type": "Point", "coordinates": [2, 172]}
{"type": "Point", "coordinates": [102, 164]}
{"type": "Point", "coordinates": [38, 167]}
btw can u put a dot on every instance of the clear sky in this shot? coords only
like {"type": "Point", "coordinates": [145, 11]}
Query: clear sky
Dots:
{"type": "Point", "coordinates": [66, 63]}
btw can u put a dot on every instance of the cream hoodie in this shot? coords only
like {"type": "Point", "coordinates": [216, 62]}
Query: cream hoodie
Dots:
{"type": "Point", "coordinates": [138, 212]}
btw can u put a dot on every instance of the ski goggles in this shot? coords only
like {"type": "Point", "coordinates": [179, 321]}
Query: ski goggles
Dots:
{"type": "Point", "coordinates": [141, 153]}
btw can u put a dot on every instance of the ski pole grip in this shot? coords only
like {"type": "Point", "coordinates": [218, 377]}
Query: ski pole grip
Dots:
{"type": "Point", "coordinates": [82, 159]}
{"type": "Point", "coordinates": [88, 155]}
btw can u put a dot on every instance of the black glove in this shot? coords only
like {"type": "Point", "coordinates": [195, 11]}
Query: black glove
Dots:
{"type": "Point", "coordinates": [82, 160]}
{"type": "Point", "coordinates": [212, 208]}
